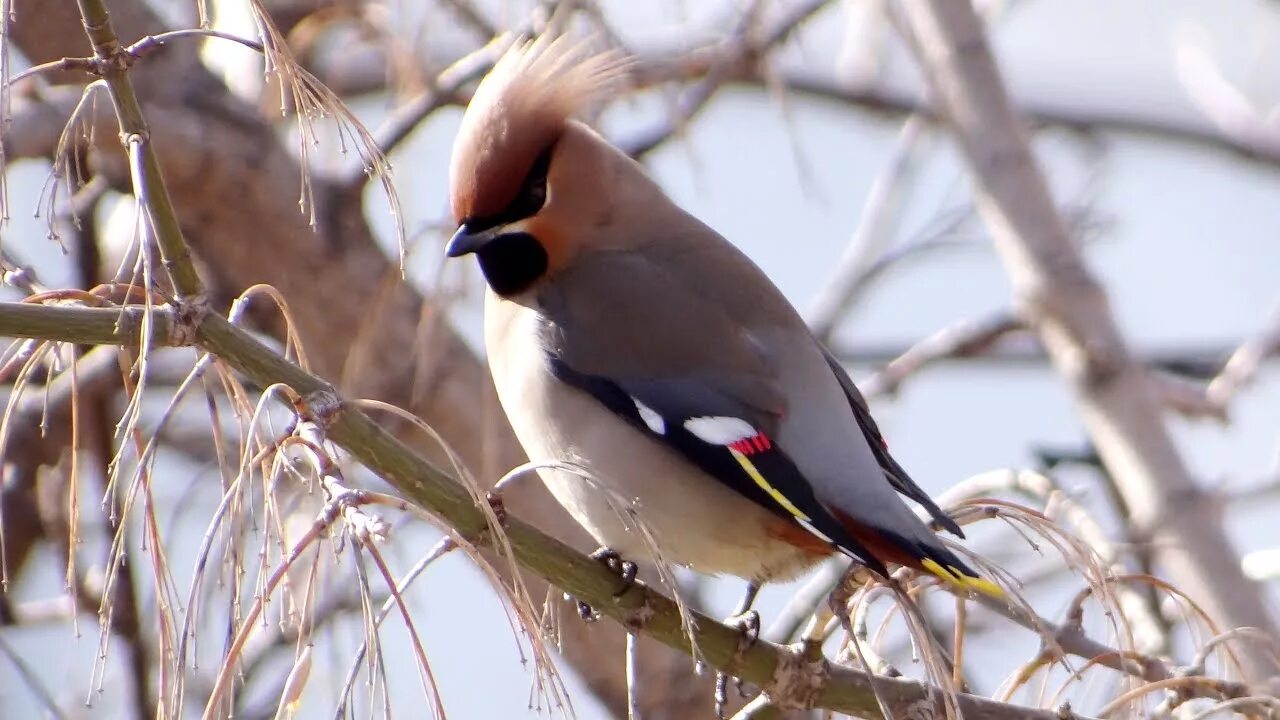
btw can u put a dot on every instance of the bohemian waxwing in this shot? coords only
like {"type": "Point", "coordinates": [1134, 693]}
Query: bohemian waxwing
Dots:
{"type": "Point", "coordinates": [629, 339]}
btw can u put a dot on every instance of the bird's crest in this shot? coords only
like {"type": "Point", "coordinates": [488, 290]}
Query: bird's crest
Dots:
{"type": "Point", "coordinates": [518, 111]}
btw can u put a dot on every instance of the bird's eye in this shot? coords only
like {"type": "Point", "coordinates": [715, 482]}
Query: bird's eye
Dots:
{"type": "Point", "coordinates": [532, 197]}
{"type": "Point", "coordinates": [533, 193]}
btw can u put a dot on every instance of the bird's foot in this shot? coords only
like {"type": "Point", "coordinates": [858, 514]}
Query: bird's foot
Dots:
{"type": "Point", "coordinates": [625, 570]}
{"type": "Point", "coordinates": [749, 623]}
{"type": "Point", "coordinates": [498, 506]}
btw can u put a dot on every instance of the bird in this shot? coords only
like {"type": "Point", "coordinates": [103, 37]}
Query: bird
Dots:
{"type": "Point", "coordinates": [632, 344]}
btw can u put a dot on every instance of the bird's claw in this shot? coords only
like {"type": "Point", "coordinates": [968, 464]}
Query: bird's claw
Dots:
{"type": "Point", "coordinates": [749, 623]}
{"type": "Point", "coordinates": [625, 569]}
{"type": "Point", "coordinates": [498, 506]}
{"type": "Point", "coordinates": [585, 611]}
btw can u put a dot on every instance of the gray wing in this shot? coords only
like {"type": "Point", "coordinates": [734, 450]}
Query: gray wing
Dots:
{"type": "Point", "coordinates": [725, 438]}
{"type": "Point", "coordinates": [667, 348]}
{"type": "Point", "coordinates": [894, 472]}
{"type": "Point", "coordinates": [663, 355]}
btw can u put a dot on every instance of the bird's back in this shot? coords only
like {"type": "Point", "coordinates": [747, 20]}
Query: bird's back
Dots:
{"type": "Point", "coordinates": [686, 301]}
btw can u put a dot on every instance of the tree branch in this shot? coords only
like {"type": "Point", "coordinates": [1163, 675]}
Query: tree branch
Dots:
{"type": "Point", "coordinates": [967, 338]}
{"type": "Point", "coordinates": [784, 673]}
{"type": "Point", "coordinates": [148, 184]}
{"type": "Point", "coordinates": [851, 274]}
{"type": "Point", "coordinates": [1079, 117]}
{"type": "Point", "coordinates": [1069, 310]}
{"type": "Point", "coordinates": [89, 326]}
{"type": "Point", "coordinates": [1242, 367]}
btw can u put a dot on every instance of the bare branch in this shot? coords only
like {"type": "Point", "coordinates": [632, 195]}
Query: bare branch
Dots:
{"type": "Point", "coordinates": [787, 676]}
{"type": "Point", "coordinates": [148, 185]}
{"type": "Point", "coordinates": [1241, 368]}
{"type": "Point", "coordinates": [90, 326]}
{"type": "Point", "coordinates": [1069, 309]}
{"type": "Point", "coordinates": [443, 91]}
{"type": "Point", "coordinates": [745, 46]}
{"type": "Point", "coordinates": [1213, 400]}
{"type": "Point", "coordinates": [1192, 360]}
{"type": "Point", "coordinates": [473, 17]}
{"type": "Point", "coordinates": [852, 269]}
{"type": "Point", "coordinates": [968, 338]}
{"type": "Point", "coordinates": [32, 678]}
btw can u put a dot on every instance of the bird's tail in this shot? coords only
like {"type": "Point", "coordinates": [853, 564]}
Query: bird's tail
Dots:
{"type": "Point", "coordinates": [929, 556]}
{"type": "Point", "coordinates": [959, 575]}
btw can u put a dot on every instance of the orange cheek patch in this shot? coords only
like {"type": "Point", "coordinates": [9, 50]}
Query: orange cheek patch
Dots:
{"type": "Point", "coordinates": [551, 238]}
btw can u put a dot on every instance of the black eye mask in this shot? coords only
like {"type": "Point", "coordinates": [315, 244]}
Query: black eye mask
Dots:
{"type": "Point", "coordinates": [527, 202]}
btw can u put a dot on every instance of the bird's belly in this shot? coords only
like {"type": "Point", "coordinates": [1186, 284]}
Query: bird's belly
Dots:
{"type": "Point", "coordinates": [633, 494]}
{"type": "Point", "coordinates": [642, 500]}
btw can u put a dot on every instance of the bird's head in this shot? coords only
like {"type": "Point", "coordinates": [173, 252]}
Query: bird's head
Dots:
{"type": "Point", "coordinates": [528, 182]}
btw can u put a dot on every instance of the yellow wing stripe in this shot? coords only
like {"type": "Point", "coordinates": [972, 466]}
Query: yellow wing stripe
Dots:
{"type": "Point", "coordinates": [950, 574]}
{"type": "Point", "coordinates": [750, 468]}
{"type": "Point", "coordinates": [954, 576]}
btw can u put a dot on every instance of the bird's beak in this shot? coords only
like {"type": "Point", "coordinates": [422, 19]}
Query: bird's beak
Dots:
{"type": "Point", "coordinates": [465, 242]}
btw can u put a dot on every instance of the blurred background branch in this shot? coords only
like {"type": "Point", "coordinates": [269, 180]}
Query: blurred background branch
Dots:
{"type": "Point", "coordinates": [1069, 310]}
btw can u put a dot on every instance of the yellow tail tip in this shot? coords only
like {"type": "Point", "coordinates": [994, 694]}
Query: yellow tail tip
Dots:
{"type": "Point", "coordinates": [953, 576]}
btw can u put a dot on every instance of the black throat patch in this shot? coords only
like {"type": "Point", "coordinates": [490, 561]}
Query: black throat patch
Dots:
{"type": "Point", "coordinates": [511, 263]}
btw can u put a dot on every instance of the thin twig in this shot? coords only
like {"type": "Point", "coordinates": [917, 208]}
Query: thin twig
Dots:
{"type": "Point", "coordinates": [1191, 360]}
{"type": "Point", "coordinates": [967, 338]}
{"type": "Point", "coordinates": [849, 276]}
{"type": "Point", "coordinates": [1241, 368]}
{"type": "Point", "coordinates": [225, 673]}
{"type": "Point", "coordinates": [98, 66]}
{"type": "Point", "coordinates": [443, 91]}
{"type": "Point", "coordinates": [424, 667]}
{"type": "Point", "coordinates": [473, 17]}
{"type": "Point", "coordinates": [31, 677]}
{"type": "Point", "coordinates": [743, 47]}
{"type": "Point", "coordinates": [445, 545]}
